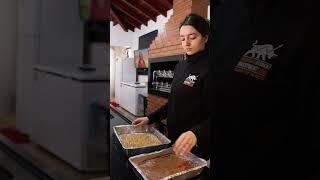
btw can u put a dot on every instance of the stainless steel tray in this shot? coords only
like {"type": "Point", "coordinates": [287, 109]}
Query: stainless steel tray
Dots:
{"type": "Point", "coordinates": [187, 174]}
{"type": "Point", "coordinates": [128, 129]}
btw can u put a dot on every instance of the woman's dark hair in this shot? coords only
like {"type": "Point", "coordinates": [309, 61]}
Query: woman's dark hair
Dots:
{"type": "Point", "coordinates": [201, 24]}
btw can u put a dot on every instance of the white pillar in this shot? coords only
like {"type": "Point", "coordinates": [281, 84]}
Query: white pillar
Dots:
{"type": "Point", "coordinates": [112, 73]}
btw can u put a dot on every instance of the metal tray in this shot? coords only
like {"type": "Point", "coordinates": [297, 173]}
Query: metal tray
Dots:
{"type": "Point", "coordinates": [128, 129]}
{"type": "Point", "coordinates": [187, 174]}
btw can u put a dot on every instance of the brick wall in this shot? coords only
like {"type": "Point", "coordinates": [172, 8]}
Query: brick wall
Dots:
{"type": "Point", "coordinates": [155, 102]}
{"type": "Point", "coordinates": [168, 42]}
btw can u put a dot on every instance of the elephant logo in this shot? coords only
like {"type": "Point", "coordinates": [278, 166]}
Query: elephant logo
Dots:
{"type": "Point", "coordinates": [190, 80]}
{"type": "Point", "coordinates": [262, 51]}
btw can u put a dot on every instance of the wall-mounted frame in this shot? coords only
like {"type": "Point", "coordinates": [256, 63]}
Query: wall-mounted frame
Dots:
{"type": "Point", "coordinates": [141, 59]}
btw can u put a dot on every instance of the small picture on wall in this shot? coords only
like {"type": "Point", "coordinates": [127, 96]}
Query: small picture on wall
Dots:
{"type": "Point", "coordinates": [141, 58]}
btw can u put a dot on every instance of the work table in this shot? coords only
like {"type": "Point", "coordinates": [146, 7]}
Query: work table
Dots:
{"type": "Point", "coordinates": [120, 167]}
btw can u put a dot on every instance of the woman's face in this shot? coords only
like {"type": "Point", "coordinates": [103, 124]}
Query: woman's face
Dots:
{"type": "Point", "coordinates": [192, 41]}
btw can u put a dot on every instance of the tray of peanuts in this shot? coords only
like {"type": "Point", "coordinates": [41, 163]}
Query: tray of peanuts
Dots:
{"type": "Point", "coordinates": [139, 140]}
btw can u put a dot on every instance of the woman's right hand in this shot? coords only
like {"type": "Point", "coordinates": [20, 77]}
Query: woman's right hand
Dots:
{"type": "Point", "coordinates": [140, 121]}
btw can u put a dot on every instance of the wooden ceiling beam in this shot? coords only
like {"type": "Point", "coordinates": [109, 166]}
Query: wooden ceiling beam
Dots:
{"type": "Point", "coordinates": [137, 7]}
{"type": "Point", "coordinates": [131, 14]}
{"type": "Point", "coordinates": [168, 3]}
{"type": "Point", "coordinates": [132, 22]}
{"type": "Point", "coordinates": [113, 14]}
{"type": "Point", "coordinates": [155, 7]}
{"type": "Point", "coordinates": [115, 22]}
{"type": "Point", "coordinates": [132, 29]}
{"type": "Point", "coordinates": [128, 19]}
{"type": "Point", "coordinates": [127, 25]}
{"type": "Point", "coordinates": [125, 9]}
{"type": "Point", "coordinates": [113, 17]}
{"type": "Point", "coordinates": [152, 7]}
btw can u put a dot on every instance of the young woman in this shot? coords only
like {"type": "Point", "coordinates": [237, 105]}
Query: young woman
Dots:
{"type": "Point", "coordinates": [187, 108]}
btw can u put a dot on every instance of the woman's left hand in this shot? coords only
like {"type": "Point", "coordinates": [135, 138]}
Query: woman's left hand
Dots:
{"type": "Point", "coordinates": [185, 143]}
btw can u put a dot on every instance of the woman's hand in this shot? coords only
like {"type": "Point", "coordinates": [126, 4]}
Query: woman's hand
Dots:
{"type": "Point", "coordinates": [140, 121]}
{"type": "Point", "coordinates": [185, 143]}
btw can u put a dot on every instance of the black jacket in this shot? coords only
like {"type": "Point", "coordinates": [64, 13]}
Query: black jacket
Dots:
{"type": "Point", "coordinates": [265, 90]}
{"type": "Point", "coordinates": [187, 107]}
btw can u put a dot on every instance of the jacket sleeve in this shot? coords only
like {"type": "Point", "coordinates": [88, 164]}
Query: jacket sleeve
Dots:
{"type": "Point", "coordinates": [159, 114]}
{"type": "Point", "coordinates": [202, 129]}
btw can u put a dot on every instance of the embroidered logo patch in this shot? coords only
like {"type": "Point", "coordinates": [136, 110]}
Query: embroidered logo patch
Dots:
{"type": "Point", "coordinates": [190, 80]}
{"type": "Point", "coordinates": [254, 61]}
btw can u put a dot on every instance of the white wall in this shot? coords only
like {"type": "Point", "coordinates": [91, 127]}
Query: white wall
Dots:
{"type": "Point", "coordinates": [8, 45]}
{"type": "Point", "coordinates": [118, 37]}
